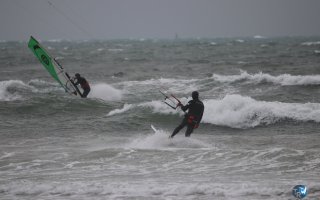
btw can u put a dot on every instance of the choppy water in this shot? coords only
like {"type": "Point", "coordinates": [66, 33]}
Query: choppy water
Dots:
{"type": "Point", "coordinates": [258, 139]}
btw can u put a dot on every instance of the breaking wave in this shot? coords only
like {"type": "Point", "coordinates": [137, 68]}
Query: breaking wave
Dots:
{"type": "Point", "coordinates": [238, 111]}
{"type": "Point", "coordinates": [310, 43]}
{"type": "Point", "coordinates": [9, 90]}
{"type": "Point", "coordinates": [283, 79]}
{"type": "Point", "coordinates": [159, 140]}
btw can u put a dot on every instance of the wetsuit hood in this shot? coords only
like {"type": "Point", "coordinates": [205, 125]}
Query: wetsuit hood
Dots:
{"type": "Point", "coordinates": [195, 95]}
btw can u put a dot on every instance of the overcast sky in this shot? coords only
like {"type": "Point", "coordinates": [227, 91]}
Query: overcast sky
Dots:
{"type": "Point", "coordinates": [109, 19]}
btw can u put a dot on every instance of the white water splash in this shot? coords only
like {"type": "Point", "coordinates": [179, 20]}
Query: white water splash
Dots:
{"type": "Point", "coordinates": [105, 92]}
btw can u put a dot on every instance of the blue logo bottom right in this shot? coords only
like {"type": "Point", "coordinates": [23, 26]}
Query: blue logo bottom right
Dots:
{"type": "Point", "coordinates": [300, 191]}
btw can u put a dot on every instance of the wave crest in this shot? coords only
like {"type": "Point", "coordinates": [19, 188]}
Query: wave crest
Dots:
{"type": "Point", "coordinates": [283, 79]}
{"type": "Point", "coordinates": [9, 90]}
{"type": "Point", "coordinates": [237, 111]}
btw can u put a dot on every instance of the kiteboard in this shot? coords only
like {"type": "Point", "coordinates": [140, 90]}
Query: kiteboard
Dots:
{"type": "Point", "coordinates": [154, 129]}
{"type": "Point", "coordinates": [160, 131]}
{"type": "Point", "coordinates": [53, 67]}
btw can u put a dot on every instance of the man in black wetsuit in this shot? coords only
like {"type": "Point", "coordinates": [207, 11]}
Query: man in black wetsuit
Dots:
{"type": "Point", "coordinates": [84, 85]}
{"type": "Point", "coordinates": [192, 119]}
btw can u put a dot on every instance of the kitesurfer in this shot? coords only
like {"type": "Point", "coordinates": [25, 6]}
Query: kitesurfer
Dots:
{"type": "Point", "coordinates": [192, 119]}
{"type": "Point", "coordinates": [84, 85]}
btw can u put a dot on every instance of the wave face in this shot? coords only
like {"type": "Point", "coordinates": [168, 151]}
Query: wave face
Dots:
{"type": "Point", "coordinates": [259, 136]}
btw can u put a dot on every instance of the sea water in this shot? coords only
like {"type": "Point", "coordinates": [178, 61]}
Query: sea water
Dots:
{"type": "Point", "coordinates": [259, 136]}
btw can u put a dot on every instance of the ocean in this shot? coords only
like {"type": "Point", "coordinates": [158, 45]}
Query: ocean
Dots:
{"type": "Point", "coordinates": [259, 136]}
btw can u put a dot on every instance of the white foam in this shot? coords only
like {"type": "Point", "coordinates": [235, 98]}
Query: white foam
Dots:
{"type": "Point", "coordinates": [125, 108]}
{"type": "Point", "coordinates": [71, 164]}
{"type": "Point", "coordinates": [159, 139]}
{"type": "Point", "coordinates": [240, 41]}
{"type": "Point", "coordinates": [6, 95]}
{"type": "Point", "coordinates": [154, 141]}
{"type": "Point", "coordinates": [105, 92]}
{"type": "Point", "coordinates": [39, 82]}
{"type": "Point", "coordinates": [259, 37]}
{"type": "Point", "coordinates": [7, 155]}
{"type": "Point", "coordinates": [41, 86]}
{"type": "Point", "coordinates": [310, 43]}
{"type": "Point", "coordinates": [283, 79]}
{"type": "Point", "coordinates": [243, 112]}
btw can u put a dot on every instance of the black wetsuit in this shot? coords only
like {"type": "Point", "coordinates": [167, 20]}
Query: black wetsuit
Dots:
{"type": "Point", "coordinates": [192, 118]}
{"type": "Point", "coordinates": [84, 85]}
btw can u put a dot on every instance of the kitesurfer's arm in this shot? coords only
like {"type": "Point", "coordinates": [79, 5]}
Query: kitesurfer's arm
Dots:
{"type": "Point", "coordinates": [186, 107]}
{"type": "Point", "coordinates": [75, 81]}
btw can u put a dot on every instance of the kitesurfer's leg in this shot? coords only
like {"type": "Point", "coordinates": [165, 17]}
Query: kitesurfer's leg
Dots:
{"type": "Point", "coordinates": [176, 130]}
{"type": "Point", "coordinates": [189, 130]}
{"type": "Point", "coordinates": [85, 93]}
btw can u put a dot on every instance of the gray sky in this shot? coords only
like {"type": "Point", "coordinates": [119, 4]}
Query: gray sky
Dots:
{"type": "Point", "coordinates": [109, 19]}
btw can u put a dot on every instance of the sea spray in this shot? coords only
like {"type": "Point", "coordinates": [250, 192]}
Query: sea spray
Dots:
{"type": "Point", "coordinates": [105, 92]}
